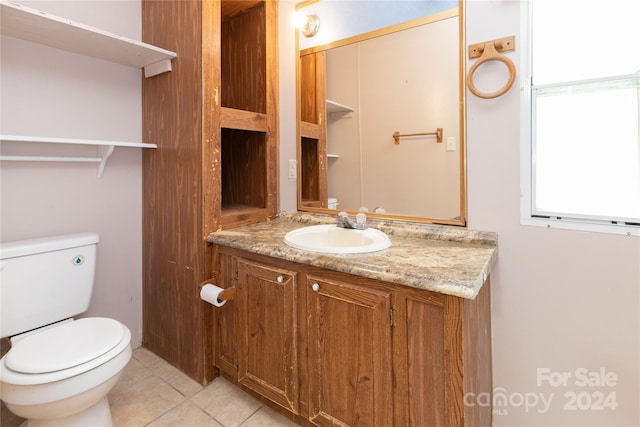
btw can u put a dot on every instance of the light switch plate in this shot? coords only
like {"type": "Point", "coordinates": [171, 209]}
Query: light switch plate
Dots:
{"type": "Point", "coordinates": [292, 170]}
{"type": "Point", "coordinates": [451, 143]}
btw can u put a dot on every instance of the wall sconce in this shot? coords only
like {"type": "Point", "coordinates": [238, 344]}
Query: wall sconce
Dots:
{"type": "Point", "coordinates": [307, 24]}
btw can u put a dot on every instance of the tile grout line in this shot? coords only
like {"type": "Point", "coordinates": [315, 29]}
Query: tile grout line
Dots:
{"type": "Point", "coordinates": [249, 417]}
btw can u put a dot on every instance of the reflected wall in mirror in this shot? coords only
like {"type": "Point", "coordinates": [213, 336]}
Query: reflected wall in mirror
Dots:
{"type": "Point", "coordinates": [354, 94]}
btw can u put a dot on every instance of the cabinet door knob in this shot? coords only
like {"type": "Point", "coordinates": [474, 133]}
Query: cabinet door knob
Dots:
{"type": "Point", "coordinates": [280, 279]}
{"type": "Point", "coordinates": [315, 287]}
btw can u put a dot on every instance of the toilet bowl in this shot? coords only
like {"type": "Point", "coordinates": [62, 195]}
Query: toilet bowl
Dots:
{"type": "Point", "coordinates": [58, 370]}
{"type": "Point", "coordinates": [61, 375]}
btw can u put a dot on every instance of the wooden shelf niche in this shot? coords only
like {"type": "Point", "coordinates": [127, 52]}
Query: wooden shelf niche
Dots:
{"type": "Point", "coordinates": [247, 116]}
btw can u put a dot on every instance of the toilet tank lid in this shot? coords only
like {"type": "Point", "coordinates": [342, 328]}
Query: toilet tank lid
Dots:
{"type": "Point", "coordinates": [65, 346]}
{"type": "Point", "coordinates": [46, 244]}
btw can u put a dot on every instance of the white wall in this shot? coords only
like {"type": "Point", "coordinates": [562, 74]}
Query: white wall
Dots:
{"type": "Point", "coordinates": [48, 92]}
{"type": "Point", "coordinates": [287, 71]}
{"type": "Point", "coordinates": [562, 300]}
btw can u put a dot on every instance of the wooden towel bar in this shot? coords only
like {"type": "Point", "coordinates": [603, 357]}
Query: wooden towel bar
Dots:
{"type": "Point", "coordinates": [437, 133]}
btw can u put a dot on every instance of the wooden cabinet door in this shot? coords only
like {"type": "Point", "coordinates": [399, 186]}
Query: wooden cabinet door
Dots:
{"type": "Point", "coordinates": [267, 313]}
{"type": "Point", "coordinates": [350, 376]}
{"type": "Point", "coordinates": [421, 360]}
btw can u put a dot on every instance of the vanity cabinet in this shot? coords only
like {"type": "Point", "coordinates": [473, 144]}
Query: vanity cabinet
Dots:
{"type": "Point", "coordinates": [215, 121]}
{"type": "Point", "coordinates": [353, 351]}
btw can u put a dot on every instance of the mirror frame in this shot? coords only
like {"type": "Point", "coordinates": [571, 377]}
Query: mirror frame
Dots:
{"type": "Point", "coordinates": [462, 113]}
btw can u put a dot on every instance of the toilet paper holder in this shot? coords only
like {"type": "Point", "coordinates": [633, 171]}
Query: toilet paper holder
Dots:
{"type": "Point", "coordinates": [226, 295]}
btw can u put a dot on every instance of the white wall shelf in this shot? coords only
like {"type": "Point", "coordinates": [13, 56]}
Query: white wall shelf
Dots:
{"type": "Point", "coordinates": [39, 27]}
{"type": "Point", "coordinates": [335, 107]}
{"type": "Point", "coordinates": [104, 150]}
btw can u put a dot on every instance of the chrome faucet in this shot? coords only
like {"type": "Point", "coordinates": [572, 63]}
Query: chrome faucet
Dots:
{"type": "Point", "coordinates": [345, 222]}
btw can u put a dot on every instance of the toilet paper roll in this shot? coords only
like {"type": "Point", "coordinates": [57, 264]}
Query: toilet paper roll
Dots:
{"type": "Point", "coordinates": [210, 294]}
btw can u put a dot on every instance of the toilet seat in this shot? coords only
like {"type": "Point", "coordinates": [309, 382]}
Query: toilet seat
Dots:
{"type": "Point", "coordinates": [64, 351]}
{"type": "Point", "coordinates": [65, 346]}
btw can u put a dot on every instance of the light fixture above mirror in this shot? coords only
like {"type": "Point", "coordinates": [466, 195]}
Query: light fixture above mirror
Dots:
{"type": "Point", "coordinates": [308, 25]}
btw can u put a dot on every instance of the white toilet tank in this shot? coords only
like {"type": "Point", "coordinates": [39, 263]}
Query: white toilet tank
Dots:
{"type": "Point", "coordinates": [45, 280]}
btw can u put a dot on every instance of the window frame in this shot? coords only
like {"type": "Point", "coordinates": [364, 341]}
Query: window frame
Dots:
{"type": "Point", "coordinates": [527, 211]}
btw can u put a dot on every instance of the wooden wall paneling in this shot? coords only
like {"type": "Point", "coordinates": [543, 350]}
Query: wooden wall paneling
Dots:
{"type": "Point", "coordinates": [211, 117]}
{"type": "Point", "coordinates": [233, 7]}
{"type": "Point", "coordinates": [173, 246]}
{"type": "Point", "coordinates": [272, 107]}
{"type": "Point", "coordinates": [180, 200]}
{"type": "Point", "coordinates": [210, 181]}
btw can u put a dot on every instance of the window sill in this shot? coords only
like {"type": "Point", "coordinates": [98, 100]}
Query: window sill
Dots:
{"type": "Point", "coordinates": [582, 225]}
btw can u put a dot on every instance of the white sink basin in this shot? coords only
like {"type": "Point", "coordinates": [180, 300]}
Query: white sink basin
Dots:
{"type": "Point", "coordinates": [330, 239]}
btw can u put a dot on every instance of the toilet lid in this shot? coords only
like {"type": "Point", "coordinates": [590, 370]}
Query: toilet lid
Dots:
{"type": "Point", "coordinates": [65, 346]}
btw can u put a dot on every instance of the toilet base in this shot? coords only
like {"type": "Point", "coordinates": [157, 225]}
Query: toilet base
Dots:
{"type": "Point", "coordinates": [68, 402]}
{"type": "Point", "coordinates": [97, 415]}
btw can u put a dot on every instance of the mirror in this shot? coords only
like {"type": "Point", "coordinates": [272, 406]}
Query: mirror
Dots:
{"type": "Point", "coordinates": [381, 118]}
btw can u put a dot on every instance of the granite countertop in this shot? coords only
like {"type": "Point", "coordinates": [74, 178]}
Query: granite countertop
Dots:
{"type": "Point", "coordinates": [445, 259]}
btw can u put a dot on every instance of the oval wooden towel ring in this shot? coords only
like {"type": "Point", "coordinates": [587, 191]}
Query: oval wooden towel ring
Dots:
{"type": "Point", "coordinates": [491, 54]}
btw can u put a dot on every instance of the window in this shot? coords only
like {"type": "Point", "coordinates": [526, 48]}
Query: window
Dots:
{"type": "Point", "coordinates": [581, 115]}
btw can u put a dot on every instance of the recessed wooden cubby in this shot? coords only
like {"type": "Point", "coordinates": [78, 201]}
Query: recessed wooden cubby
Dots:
{"type": "Point", "coordinates": [243, 60]}
{"type": "Point", "coordinates": [243, 171]}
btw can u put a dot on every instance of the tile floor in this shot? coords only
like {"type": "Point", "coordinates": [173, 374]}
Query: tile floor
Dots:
{"type": "Point", "coordinates": [153, 393]}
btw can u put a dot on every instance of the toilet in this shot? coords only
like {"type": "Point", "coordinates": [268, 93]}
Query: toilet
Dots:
{"type": "Point", "coordinates": [58, 370]}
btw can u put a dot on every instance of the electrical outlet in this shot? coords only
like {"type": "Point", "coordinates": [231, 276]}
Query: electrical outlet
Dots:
{"type": "Point", "coordinates": [292, 170]}
{"type": "Point", "coordinates": [451, 143]}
